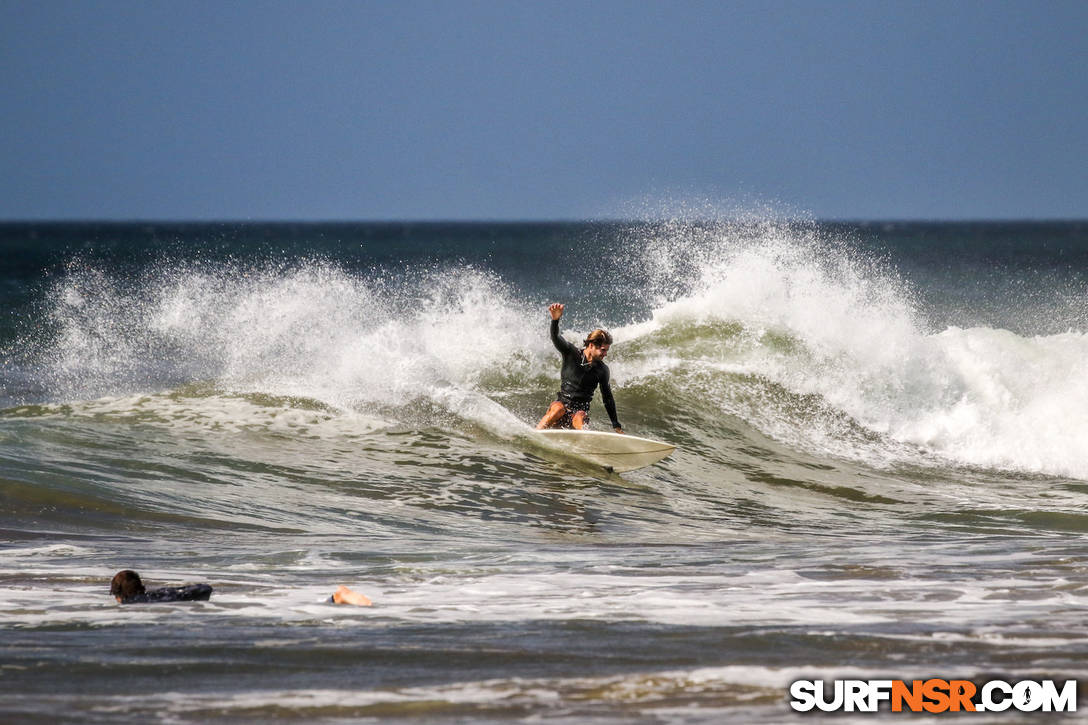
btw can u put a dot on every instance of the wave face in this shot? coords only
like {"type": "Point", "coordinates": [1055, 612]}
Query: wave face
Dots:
{"type": "Point", "coordinates": [829, 322]}
{"type": "Point", "coordinates": [745, 313]}
{"type": "Point", "coordinates": [878, 426]}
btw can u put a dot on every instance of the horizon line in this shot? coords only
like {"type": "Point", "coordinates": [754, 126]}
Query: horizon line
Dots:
{"type": "Point", "coordinates": [559, 220]}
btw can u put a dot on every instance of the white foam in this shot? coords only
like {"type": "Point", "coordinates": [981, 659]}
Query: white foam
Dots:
{"type": "Point", "coordinates": [706, 694]}
{"type": "Point", "coordinates": [222, 412]}
{"type": "Point", "coordinates": [977, 396]}
{"type": "Point", "coordinates": [313, 332]}
{"type": "Point", "coordinates": [816, 319]}
{"type": "Point", "coordinates": [49, 551]}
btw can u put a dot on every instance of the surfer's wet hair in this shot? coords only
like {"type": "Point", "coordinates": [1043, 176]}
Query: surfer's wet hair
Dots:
{"type": "Point", "coordinates": [599, 338]}
{"type": "Point", "coordinates": [126, 584]}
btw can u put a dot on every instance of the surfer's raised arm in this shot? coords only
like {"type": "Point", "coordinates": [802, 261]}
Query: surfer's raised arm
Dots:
{"type": "Point", "coordinates": [564, 347]}
{"type": "Point", "coordinates": [583, 370]}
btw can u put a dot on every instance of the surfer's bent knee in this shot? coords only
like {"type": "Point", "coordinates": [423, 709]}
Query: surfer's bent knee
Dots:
{"type": "Point", "coordinates": [553, 416]}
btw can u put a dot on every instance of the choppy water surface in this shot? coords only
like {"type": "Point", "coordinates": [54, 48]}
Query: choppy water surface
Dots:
{"type": "Point", "coordinates": [881, 473]}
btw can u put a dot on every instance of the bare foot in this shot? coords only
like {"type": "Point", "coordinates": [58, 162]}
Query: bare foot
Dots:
{"type": "Point", "coordinates": [343, 595]}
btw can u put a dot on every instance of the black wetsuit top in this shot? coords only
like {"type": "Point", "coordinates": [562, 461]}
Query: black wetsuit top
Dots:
{"type": "Point", "coordinates": [190, 593]}
{"type": "Point", "coordinates": [579, 379]}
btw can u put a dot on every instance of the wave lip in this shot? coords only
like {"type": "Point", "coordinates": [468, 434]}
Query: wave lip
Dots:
{"type": "Point", "coordinates": [1008, 402]}
{"type": "Point", "coordinates": [824, 320]}
{"type": "Point", "coordinates": [783, 314]}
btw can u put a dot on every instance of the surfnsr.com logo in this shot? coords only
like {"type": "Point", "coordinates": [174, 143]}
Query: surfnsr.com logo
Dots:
{"type": "Point", "coordinates": [933, 695]}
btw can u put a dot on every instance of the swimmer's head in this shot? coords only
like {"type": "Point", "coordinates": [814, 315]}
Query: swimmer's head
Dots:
{"type": "Point", "coordinates": [126, 584]}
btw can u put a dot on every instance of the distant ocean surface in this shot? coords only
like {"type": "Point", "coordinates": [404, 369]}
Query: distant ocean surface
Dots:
{"type": "Point", "coordinates": [882, 467]}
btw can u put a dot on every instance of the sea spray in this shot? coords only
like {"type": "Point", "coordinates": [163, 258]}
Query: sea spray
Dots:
{"type": "Point", "coordinates": [310, 330]}
{"type": "Point", "coordinates": [856, 339]}
{"type": "Point", "coordinates": [795, 330]}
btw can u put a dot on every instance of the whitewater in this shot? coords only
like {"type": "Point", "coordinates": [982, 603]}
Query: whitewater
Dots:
{"type": "Point", "coordinates": [881, 466]}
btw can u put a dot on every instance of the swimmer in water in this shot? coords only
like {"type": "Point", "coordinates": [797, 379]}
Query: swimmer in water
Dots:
{"type": "Point", "coordinates": [583, 370]}
{"type": "Point", "coordinates": [127, 588]}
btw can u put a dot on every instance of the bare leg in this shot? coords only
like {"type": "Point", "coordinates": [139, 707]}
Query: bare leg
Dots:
{"type": "Point", "coordinates": [579, 420]}
{"type": "Point", "coordinates": [343, 595]}
{"type": "Point", "coordinates": [551, 419]}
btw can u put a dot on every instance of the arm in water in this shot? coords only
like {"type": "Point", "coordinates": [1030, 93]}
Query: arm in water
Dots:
{"type": "Point", "coordinates": [343, 595]}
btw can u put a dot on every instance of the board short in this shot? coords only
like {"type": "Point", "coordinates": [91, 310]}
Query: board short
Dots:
{"type": "Point", "coordinates": [572, 406]}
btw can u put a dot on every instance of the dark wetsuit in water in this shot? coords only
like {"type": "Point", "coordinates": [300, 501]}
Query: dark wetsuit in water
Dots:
{"type": "Point", "coordinates": [579, 379]}
{"type": "Point", "coordinates": [190, 593]}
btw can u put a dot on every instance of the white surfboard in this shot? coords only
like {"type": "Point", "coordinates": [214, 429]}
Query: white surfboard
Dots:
{"type": "Point", "coordinates": [615, 451]}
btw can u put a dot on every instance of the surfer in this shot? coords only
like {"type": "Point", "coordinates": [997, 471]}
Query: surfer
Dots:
{"type": "Point", "coordinates": [127, 588]}
{"type": "Point", "coordinates": [583, 370]}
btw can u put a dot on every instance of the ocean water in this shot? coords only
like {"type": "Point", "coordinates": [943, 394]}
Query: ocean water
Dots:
{"type": "Point", "coordinates": [882, 467]}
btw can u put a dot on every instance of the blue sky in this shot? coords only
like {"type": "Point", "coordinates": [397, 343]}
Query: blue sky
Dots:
{"type": "Point", "coordinates": [542, 110]}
